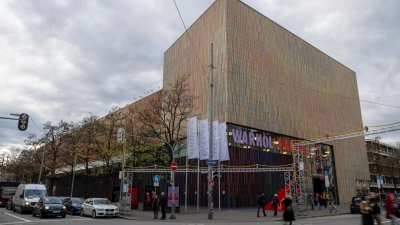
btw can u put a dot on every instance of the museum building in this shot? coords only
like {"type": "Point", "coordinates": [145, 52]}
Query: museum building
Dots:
{"type": "Point", "coordinates": [270, 83]}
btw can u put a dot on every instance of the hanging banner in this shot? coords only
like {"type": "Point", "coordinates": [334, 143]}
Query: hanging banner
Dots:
{"type": "Point", "coordinates": [192, 145]}
{"type": "Point", "coordinates": [223, 143]}
{"type": "Point", "coordinates": [204, 137]}
{"type": "Point", "coordinates": [215, 144]}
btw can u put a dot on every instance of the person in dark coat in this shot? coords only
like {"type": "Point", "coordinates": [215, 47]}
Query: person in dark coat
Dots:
{"type": "Point", "coordinates": [366, 211]}
{"type": "Point", "coordinates": [288, 214]}
{"type": "Point", "coordinates": [275, 203]}
{"type": "Point", "coordinates": [163, 203]}
{"type": "Point", "coordinates": [261, 203]}
{"type": "Point", "coordinates": [155, 205]}
{"type": "Point", "coordinates": [311, 201]}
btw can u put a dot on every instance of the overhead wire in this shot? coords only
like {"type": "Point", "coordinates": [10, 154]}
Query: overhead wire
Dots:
{"type": "Point", "coordinates": [190, 39]}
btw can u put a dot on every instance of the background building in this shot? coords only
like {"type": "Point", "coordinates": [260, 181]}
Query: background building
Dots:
{"type": "Point", "coordinates": [272, 81]}
{"type": "Point", "coordinates": [384, 161]}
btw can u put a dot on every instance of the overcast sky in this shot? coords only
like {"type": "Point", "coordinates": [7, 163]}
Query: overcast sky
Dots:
{"type": "Point", "coordinates": [60, 60]}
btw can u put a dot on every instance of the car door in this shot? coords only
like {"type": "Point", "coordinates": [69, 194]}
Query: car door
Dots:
{"type": "Point", "coordinates": [38, 206]}
{"type": "Point", "coordinates": [86, 205]}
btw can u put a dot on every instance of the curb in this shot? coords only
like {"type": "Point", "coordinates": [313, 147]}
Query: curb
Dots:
{"type": "Point", "coordinates": [224, 221]}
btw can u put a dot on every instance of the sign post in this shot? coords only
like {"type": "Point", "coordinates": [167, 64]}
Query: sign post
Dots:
{"type": "Point", "coordinates": [156, 180]}
{"type": "Point", "coordinates": [174, 167]}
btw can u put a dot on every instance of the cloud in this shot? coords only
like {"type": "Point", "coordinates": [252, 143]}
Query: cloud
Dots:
{"type": "Point", "coordinates": [61, 60]}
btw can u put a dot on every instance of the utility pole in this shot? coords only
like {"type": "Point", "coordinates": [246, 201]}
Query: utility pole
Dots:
{"type": "Point", "coordinates": [210, 157]}
{"type": "Point", "coordinates": [41, 164]}
{"type": "Point", "coordinates": [73, 175]}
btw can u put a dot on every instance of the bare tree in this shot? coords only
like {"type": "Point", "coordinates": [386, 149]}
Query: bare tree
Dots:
{"type": "Point", "coordinates": [163, 117]}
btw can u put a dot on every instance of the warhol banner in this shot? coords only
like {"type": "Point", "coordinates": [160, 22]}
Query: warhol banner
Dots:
{"type": "Point", "coordinates": [204, 137]}
{"type": "Point", "coordinates": [192, 145]}
{"type": "Point", "coordinates": [223, 143]}
{"type": "Point", "coordinates": [215, 144]}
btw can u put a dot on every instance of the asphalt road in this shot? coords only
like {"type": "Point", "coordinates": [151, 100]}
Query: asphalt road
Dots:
{"type": "Point", "coordinates": [10, 218]}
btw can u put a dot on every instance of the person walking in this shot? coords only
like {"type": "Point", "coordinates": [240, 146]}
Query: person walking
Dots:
{"type": "Point", "coordinates": [311, 201]}
{"type": "Point", "coordinates": [163, 203]}
{"type": "Point", "coordinates": [392, 209]}
{"type": "Point", "coordinates": [376, 210]}
{"type": "Point", "coordinates": [318, 201]}
{"type": "Point", "coordinates": [288, 214]}
{"type": "Point", "coordinates": [324, 198]}
{"type": "Point", "coordinates": [366, 212]}
{"type": "Point", "coordinates": [261, 203]}
{"type": "Point", "coordinates": [155, 206]}
{"type": "Point", "coordinates": [275, 203]}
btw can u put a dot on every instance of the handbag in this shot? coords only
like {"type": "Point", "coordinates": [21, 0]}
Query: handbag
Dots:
{"type": "Point", "coordinates": [289, 208]}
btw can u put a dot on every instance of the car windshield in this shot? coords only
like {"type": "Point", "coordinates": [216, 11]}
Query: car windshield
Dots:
{"type": "Point", "coordinates": [9, 191]}
{"type": "Point", "coordinates": [101, 202]}
{"type": "Point", "coordinates": [78, 200]}
{"type": "Point", "coordinates": [35, 193]}
{"type": "Point", "coordinates": [51, 200]}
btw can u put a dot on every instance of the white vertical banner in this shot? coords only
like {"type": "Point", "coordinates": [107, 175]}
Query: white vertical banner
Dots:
{"type": "Point", "coordinates": [192, 146]}
{"type": "Point", "coordinates": [215, 147]}
{"type": "Point", "coordinates": [204, 137]}
{"type": "Point", "coordinates": [223, 143]}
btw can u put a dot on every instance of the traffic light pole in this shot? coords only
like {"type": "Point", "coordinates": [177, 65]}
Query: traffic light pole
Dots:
{"type": "Point", "coordinates": [210, 157]}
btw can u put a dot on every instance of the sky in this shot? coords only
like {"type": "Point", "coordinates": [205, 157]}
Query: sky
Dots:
{"type": "Point", "coordinates": [60, 60]}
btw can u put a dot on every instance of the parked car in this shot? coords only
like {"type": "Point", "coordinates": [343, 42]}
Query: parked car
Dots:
{"type": "Point", "coordinates": [99, 207]}
{"type": "Point", "coordinates": [6, 193]}
{"type": "Point", "coordinates": [355, 204]}
{"type": "Point", "coordinates": [61, 197]}
{"type": "Point", "coordinates": [73, 205]}
{"type": "Point", "coordinates": [10, 204]}
{"type": "Point", "coordinates": [49, 206]}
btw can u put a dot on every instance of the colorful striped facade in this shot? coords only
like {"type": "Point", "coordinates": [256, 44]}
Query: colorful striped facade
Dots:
{"type": "Point", "coordinates": [269, 79]}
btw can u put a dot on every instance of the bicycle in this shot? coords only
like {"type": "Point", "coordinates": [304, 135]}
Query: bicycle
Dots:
{"type": "Point", "coordinates": [332, 207]}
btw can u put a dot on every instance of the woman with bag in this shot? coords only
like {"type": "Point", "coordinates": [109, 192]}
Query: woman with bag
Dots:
{"type": "Point", "coordinates": [155, 206]}
{"type": "Point", "coordinates": [288, 214]}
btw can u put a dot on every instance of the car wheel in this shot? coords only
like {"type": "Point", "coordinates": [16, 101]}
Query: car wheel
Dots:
{"type": "Point", "coordinates": [41, 214]}
{"type": "Point", "coordinates": [63, 216]}
{"type": "Point", "coordinates": [94, 214]}
{"type": "Point", "coordinates": [21, 211]}
{"type": "Point", "coordinates": [33, 213]}
{"type": "Point", "coordinates": [72, 212]}
{"type": "Point", "coordinates": [14, 210]}
{"type": "Point", "coordinates": [82, 213]}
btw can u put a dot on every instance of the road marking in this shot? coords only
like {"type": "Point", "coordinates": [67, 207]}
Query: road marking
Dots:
{"type": "Point", "coordinates": [18, 217]}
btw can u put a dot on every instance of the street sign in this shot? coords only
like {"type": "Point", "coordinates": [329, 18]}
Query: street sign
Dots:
{"type": "Point", "coordinates": [156, 184]}
{"type": "Point", "coordinates": [211, 162]}
{"type": "Point", "coordinates": [121, 135]}
{"type": "Point", "coordinates": [156, 178]}
{"type": "Point", "coordinates": [174, 166]}
{"type": "Point", "coordinates": [211, 183]}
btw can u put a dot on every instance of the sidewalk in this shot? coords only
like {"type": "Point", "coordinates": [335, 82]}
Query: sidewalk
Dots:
{"type": "Point", "coordinates": [229, 215]}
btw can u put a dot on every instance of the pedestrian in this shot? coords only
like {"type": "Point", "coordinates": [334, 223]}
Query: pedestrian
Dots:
{"type": "Point", "coordinates": [275, 203]}
{"type": "Point", "coordinates": [392, 209]}
{"type": "Point", "coordinates": [261, 203]}
{"type": "Point", "coordinates": [376, 210]}
{"type": "Point", "coordinates": [324, 198]}
{"type": "Point", "coordinates": [155, 206]}
{"type": "Point", "coordinates": [288, 214]}
{"type": "Point", "coordinates": [311, 201]}
{"type": "Point", "coordinates": [318, 201]}
{"type": "Point", "coordinates": [163, 203]}
{"type": "Point", "coordinates": [366, 211]}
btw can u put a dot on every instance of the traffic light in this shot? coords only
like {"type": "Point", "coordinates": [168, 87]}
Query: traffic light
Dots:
{"type": "Point", "coordinates": [23, 121]}
{"type": "Point", "coordinates": [169, 178]}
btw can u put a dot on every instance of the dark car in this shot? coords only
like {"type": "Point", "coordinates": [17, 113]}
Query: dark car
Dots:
{"type": "Point", "coordinates": [6, 193]}
{"type": "Point", "coordinates": [73, 205]}
{"type": "Point", "coordinates": [10, 205]}
{"type": "Point", "coordinates": [355, 204]}
{"type": "Point", "coordinates": [49, 206]}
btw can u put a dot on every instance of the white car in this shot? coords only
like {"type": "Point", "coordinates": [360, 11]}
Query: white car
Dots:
{"type": "Point", "coordinates": [99, 207]}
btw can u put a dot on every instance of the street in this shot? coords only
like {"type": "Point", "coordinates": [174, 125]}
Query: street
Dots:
{"type": "Point", "coordinates": [8, 218]}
